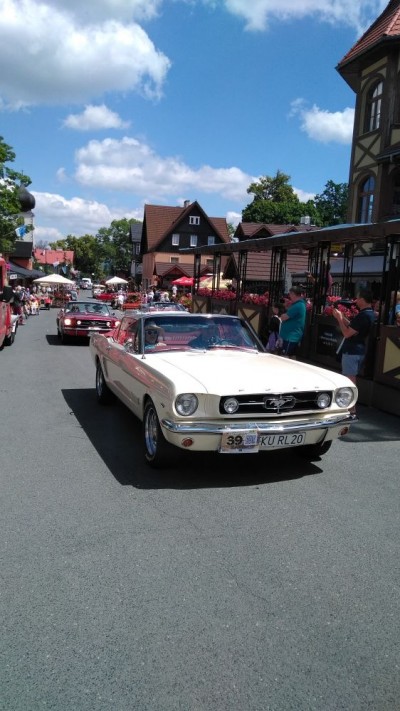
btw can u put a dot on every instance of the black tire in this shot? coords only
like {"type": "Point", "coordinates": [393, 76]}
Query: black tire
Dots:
{"type": "Point", "coordinates": [314, 451]}
{"type": "Point", "coordinates": [103, 392]}
{"type": "Point", "coordinates": [9, 340]}
{"type": "Point", "coordinates": [64, 338]}
{"type": "Point", "coordinates": [157, 451]}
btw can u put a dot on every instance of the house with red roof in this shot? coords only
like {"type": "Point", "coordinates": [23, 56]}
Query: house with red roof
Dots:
{"type": "Point", "coordinates": [54, 260]}
{"type": "Point", "coordinates": [167, 230]}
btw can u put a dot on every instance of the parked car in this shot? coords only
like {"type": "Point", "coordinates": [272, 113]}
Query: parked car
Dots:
{"type": "Point", "coordinates": [79, 319]}
{"type": "Point", "coordinates": [160, 306]}
{"type": "Point", "coordinates": [205, 383]}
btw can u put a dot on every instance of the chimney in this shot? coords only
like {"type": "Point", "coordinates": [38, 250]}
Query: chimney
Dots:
{"type": "Point", "coordinates": [186, 203]}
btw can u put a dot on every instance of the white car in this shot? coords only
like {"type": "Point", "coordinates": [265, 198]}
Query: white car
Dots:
{"type": "Point", "coordinates": [205, 383]}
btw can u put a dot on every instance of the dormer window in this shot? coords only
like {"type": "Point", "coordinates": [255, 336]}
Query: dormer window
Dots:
{"type": "Point", "coordinates": [193, 240]}
{"type": "Point", "coordinates": [373, 107]}
{"type": "Point", "coordinates": [194, 220]}
{"type": "Point", "coordinates": [175, 240]}
{"type": "Point", "coordinates": [210, 240]}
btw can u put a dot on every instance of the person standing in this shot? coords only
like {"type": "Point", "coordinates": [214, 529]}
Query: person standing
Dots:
{"type": "Point", "coordinates": [293, 322]}
{"type": "Point", "coordinates": [355, 333]}
{"type": "Point", "coordinates": [274, 327]}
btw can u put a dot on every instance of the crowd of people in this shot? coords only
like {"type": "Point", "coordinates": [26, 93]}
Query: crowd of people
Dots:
{"type": "Point", "coordinates": [27, 302]}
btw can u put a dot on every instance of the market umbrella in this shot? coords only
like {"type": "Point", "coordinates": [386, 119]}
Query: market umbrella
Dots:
{"type": "Point", "coordinates": [183, 281]}
{"type": "Point", "coordinates": [53, 279]}
{"type": "Point", "coordinates": [116, 280]}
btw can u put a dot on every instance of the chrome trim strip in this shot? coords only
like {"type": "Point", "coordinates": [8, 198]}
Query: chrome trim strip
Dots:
{"type": "Point", "coordinates": [262, 427]}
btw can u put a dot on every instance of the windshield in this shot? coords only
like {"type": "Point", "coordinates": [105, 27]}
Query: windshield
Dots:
{"type": "Point", "coordinates": [163, 332]}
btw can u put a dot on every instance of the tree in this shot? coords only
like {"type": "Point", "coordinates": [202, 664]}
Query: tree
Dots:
{"type": "Point", "coordinates": [275, 202]}
{"type": "Point", "coordinates": [332, 204]}
{"type": "Point", "coordinates": [10, 207]}
{"type": "Point", "coordinates": [116, 245]}
{"type": "Point", "coordinates": [87, 252]}
{"type": "Point", "coordinates": [103, 254]}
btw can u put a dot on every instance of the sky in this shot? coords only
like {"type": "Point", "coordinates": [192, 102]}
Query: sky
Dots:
{"type": "Point", "coordinates": [112, 104]}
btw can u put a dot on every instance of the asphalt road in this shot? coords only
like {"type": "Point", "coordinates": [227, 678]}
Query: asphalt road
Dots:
{"type": "Point", "coordinates": [231, 584]}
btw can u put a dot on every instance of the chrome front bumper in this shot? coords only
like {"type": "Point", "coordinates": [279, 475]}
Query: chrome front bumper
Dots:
{"type": "Point", "coordinates": [282, 427]}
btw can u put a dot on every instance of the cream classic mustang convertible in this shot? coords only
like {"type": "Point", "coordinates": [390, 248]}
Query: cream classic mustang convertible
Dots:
{"type": "Point", "coordinates": [205, 383]}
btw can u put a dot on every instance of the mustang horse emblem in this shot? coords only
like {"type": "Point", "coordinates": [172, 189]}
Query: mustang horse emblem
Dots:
{"type": "Point", "coordinates": [286, 402]}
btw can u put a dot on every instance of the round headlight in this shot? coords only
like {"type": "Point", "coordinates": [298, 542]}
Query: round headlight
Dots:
{"type": "Point", "coordinates": [231, 405]}
{"type": "Point", "coordinates": [344, 397]}
{"type": "Point", "coordinates": [323, 400]}
{"type": "Point", "coordinates": [186, 404]}
{"type": "Point", "coordinates": [67, 322]}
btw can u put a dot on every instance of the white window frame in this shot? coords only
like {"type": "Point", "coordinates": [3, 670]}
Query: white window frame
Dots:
{"type": "Point", "coordinates": [175, 239]}
{"type": "Point", "coordinates": [194, 220]}
{"type": "Point", "coordinates": [193, 240]}
{"type": "Point", "coordinates": [210, 240]}
{"type": "Point", "coordinates": [174, 260]}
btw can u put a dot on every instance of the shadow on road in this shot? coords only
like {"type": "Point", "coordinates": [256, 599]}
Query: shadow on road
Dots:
{"type": "Point", "coordinates": [55, 341]}
{"type": "Point", "coordinates": [116, 435]}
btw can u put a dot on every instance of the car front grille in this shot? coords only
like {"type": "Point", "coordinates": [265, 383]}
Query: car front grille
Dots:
{"type": "Point", "coordinates": [273, 403]}
{"type": "Point", "coordinates": [92, 323]}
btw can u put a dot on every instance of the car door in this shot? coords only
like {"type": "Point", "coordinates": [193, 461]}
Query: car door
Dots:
{"type": "Point", "coordinates": [113, 355]}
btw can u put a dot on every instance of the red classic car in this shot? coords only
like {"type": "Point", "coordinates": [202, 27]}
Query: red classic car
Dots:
{"type": "Point", "coordinates": [79, 319]}
{"type": "Point", "coordinates": [106, 296]}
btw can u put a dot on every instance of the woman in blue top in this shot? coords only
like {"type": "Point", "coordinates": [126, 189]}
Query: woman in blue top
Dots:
{"type": "Point", "coordinates": [293, 322]}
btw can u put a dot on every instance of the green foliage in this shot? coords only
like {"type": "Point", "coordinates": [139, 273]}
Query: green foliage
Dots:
{"type": "Point", "coordinates": [332, 204]}
{"type": "Point", "coordinates": [10, 182]}
{"type": "Point", "coordinates": [103, 254]}
{"type": "Point", "coordinates": [275, 202]}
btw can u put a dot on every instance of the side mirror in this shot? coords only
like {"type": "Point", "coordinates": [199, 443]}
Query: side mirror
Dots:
{"type": "Point", "coordinates": [7, 294]}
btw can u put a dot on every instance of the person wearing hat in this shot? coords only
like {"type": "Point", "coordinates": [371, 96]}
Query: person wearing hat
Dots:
{"type": "Point", "coordinates": [152, 334]}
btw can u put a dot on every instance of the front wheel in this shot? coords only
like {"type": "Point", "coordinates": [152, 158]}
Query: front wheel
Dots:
{"type": "Point", "coordinates": [9, 340]}
{"type": "Point", "coordinates": [104, 394]}
{"type": "Point", "coordinates": [157, 451]}
{"type": "Point", "coordinates": [314, 451]}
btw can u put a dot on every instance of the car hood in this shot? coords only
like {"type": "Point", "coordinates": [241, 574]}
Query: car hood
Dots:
{"type": "Point", "coordinates": [235, 372]}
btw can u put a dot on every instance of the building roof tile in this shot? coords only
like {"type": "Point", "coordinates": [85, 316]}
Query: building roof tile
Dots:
{"type": "Point", "coordinates": [386, 26]}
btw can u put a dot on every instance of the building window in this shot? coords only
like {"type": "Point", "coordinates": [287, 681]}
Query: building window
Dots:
{"type": "Point", "coordinates": [174, 260]}
{"type": "Point", "coordinates": [210, 240]}
{"type": "Point", "coordinates": [366, 200]}
{"type": "Point", "coordinates": [373, 107]}
{"type": "Point", "coordinates": [193, 220]}
{"type": "Point", "coordinates": [193, 240]}
{"type": "Point", "coordinates": [209, 262]}
{"type": "Point", "coordinates": [175, 240]}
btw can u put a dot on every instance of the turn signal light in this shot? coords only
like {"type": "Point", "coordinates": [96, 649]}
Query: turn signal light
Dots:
{"type": "Point", "coordinates": [187, 442]}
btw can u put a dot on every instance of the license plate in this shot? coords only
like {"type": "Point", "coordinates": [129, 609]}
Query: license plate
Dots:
{"type": "Point", "coordinates": [275, 441]}
{"type": "Point", "coordinates": [234, 442]}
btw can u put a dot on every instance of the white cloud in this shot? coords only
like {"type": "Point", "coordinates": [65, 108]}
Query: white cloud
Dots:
{"type": "Point", "coordinates": [259, 13]}
{"type": "Point", "coordinates": [95, 118]}
{"type": "Point", "coordinates": [75, 216]}
{"type": "Point", "coordinates": [49, 56]}
{"type": "Point", "coordinates": [302, 195]}
{"type": "Point", "coordinates": [95, 10]}
{"type": "Point", "coordinates": [233, 218]}
{"type": "Point", "coordinates": [325, 126]}
{"type": "Point", "coordinates": [131, 166]}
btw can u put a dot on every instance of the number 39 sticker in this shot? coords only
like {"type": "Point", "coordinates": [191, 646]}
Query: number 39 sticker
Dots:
{"type": "Point", "coordinates": [232, 442]}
